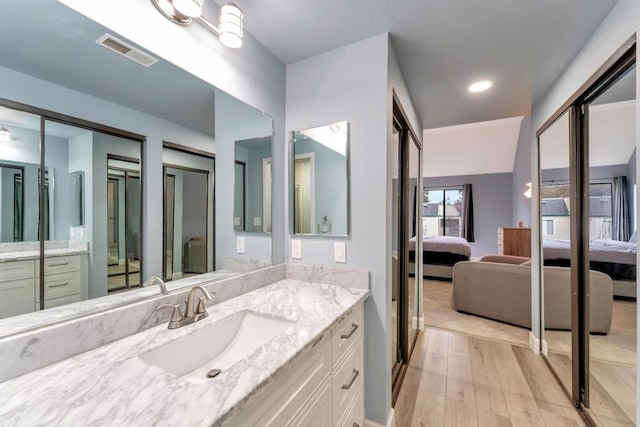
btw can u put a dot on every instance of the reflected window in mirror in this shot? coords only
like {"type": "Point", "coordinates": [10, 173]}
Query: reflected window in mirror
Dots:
{"type": "Point", "coordinates": [252, 186]}
{"type": "Point", "coordinates": [188, 213]}
{"type": "Point", "coordinates": [319, 178]}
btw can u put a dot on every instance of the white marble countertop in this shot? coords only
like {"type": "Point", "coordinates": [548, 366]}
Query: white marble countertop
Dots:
{"type": "Point", "coordinates": [25, 255]}
{"type": "Point", "coordinates": [112, 386]}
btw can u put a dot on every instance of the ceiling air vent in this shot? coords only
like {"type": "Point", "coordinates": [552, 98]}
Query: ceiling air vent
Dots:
{"type": "Point", "coordinates": [126, 50]}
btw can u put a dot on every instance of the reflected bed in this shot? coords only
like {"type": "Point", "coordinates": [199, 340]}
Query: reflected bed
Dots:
{"type": "Point", "coordinates": [440, 254]}
{"type": "Point", "coordinates": [612, 257]}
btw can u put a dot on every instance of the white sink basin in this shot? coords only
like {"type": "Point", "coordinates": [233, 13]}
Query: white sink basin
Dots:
{"type": "Point", "coordinates": [216, 346]}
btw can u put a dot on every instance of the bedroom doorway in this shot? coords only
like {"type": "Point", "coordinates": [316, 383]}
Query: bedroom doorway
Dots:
{"type": "Point", "coordinates": [595, 356]}
{"type": "Point", "coordinates": [406, 176]}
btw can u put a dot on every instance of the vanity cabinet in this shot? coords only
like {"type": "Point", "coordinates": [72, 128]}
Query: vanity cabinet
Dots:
{"type": "Point", "coordinates": [323, 387]}
{"type": "Point", "coordinates": [17, 290]}
{"type": "Point", "coordinates": [64, 280]}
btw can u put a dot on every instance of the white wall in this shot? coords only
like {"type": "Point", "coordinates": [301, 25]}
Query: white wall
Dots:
{"type": "Point", "coordinates": [252, 73]}
{"type": "Point", "coordinates": [621, 23]}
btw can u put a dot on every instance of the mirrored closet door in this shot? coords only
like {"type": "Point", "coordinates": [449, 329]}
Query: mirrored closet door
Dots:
{"type": "Point", "coordinates": [406, 268]}
{"type": "Point", "coordinates": [589, 283]}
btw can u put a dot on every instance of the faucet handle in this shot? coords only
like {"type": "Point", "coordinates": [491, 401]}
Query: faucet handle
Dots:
{"type": "Point", "coordinates": [176, 314]}
{"type": "Point", "coordinates": [201, 306]}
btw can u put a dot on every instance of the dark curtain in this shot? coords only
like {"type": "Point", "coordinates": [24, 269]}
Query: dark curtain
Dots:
{"type": "Point", "coordinates": [467, 214]}
{"type": "Point", "coordinates": [621, 218]}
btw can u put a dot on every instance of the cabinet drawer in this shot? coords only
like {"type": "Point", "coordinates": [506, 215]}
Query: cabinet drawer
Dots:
{"type": "Point", "coordinates": [355, 414]}
{"type": "Point", "coordinates": [12, 270]}
{"type": "Point", "coordinates": [59, 301]}
{"type": "Point", "coordinates": [347, 381]}
{"type": "Point", "coordinates": [347, 331]}
{"type": "Point", "coordinates": [57, 285]}
{"type": "Point", "coordinates": [59, 264]}
{"type": "Point", "coordinates": [279, 402]}
{"type": "Point", "coordinates": [317, 411]}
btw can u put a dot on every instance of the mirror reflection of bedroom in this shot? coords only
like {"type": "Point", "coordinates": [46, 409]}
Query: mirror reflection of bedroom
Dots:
{"type": "Point", "coordinates": [473, 244]}
{"type": "Point", "coordinates": [611, 235]}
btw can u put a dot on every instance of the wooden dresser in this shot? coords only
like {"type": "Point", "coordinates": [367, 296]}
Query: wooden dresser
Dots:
{"type": "Point", "coordinates": [514, 241]}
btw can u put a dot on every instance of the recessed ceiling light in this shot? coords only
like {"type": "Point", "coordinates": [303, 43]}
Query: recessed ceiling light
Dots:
{"type": "Point", "coordinates": [480, 86]}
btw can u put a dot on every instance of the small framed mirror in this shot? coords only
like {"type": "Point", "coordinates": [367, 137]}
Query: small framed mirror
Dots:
{"type": "Point", "coordinates": [320, 180]}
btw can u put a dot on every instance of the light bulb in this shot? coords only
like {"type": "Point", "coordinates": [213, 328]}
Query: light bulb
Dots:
{"type": "Point", "coordinates": [190, 8]}
{"type": "Point", "coordinates": [231, 25]}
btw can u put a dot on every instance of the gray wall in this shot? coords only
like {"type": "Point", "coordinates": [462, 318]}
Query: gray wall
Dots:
{"type": "Point", "coordinates": [254, 186]}
{"type": "Point", "coordinates": [492, 203]}
{"type": "Point", "coordinates": [521, 210]}
{"type": "Point", "coordinates": [355, 83]}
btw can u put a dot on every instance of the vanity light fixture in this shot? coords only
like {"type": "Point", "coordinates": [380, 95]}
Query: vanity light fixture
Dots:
{"type": "Point", "coordinates": [527, 193]}
{"type": "Point", "coordinates": [5, 135]}
{"type": "Point", "coordinates": [480, 86]}
{"type": "Point", "coordinates": [229, 30]}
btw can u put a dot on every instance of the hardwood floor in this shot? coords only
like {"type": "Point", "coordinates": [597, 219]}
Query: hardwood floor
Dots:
{"type": "Point", "coordinates": [459, 380]}
{"type": "Point", "coordinates": [612, 389]}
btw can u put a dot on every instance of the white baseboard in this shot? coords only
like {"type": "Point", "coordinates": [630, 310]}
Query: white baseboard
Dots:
{"type": "Point", "coordinates": [391, 421]}
{"type": "Point", "coordinates": [545, 348]}
{"type": "Point", "coordinates": [534, 343]}
{"type": "Point", "coordinates": [418, 321]}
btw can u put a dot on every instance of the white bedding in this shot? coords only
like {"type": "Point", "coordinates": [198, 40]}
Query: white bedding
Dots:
{"type": "Point", "coordinates": [612, 251]}
{"type": "Point", "coordinates": [450, 244]}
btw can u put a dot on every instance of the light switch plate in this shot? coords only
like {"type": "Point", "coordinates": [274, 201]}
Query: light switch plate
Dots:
{"type": "Point", "coordinates": [236, 220]}
{"type": "Point", "coordinates": [257, 221]}
{"type": "Point", "coordinates": [240, 244]}
{"type": "Point", "coordinates": [296, 249]}
{"type": "Point", "coordinates": [340, 252]}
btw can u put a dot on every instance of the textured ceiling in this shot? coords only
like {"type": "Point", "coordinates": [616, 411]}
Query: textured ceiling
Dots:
{"type": "Point", "coordinates": [443, 45]}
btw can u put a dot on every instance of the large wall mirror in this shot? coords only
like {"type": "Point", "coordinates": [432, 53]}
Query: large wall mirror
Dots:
{"type": "Point", "coordinates": [95, 195]}
{"type": "Point", "coordinates": [320, 180]}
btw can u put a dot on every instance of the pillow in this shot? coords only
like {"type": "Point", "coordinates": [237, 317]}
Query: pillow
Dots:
{"type": "Point", "coordinates": [632, 239]}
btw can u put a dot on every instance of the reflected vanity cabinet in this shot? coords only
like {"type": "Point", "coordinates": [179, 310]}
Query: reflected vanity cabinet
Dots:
{"type": "Point", "coordinates": [514, 241]}
{"type": "Point", "coordinates": [322, 387]}
{"type": "Point", "coordinates": [64, 280]}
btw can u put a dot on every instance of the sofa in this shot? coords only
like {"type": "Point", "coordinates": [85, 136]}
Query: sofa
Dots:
{"type": "Point", "coordinates": [499, 288]}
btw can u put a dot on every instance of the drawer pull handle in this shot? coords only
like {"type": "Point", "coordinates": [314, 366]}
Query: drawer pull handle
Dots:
{"type": "Point", "coordinates": [57, 285]}
{"type": "Point", "coordinates": [60, 264]}
{"type": "Point", "coordinates": [353, 330]}
{"type": "Point", "coordinates": [354, 376]}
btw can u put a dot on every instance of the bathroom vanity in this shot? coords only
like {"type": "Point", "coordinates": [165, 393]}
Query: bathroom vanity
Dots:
{"type": "Point", "coordinates": [65, 281]}
{"type": "Point", "coordinates": [289, 352]}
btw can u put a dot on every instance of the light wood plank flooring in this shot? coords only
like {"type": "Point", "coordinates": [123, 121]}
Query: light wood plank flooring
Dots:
{"type": "Point", "coordinates": [612, 389]}
{"type": "Point", "coordinates": [459, 380]}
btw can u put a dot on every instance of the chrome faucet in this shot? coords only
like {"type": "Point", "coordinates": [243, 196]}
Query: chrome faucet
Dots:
{"type": "Point", "coordinates": [191, 314]}
{"type": "Point", "coordinates": [158, 281]}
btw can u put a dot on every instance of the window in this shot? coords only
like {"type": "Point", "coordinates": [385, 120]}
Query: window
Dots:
{"type": "Point", "coordinates": [556, 207]}
{"type": "Point", "coordinates": [548, 227]}
{"type": "Point", "coordinates": [442, 210]}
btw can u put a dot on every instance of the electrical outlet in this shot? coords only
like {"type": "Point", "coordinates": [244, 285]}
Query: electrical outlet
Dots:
{"type": "Point", "coordinates": [257, 221]}
{"type": "Point", "coordinates": [240, 244]}
{"type": "Point", "coordinates": [236, 220]}
{"type": "Point", "coordinates": [340, 252]}
{"type": "Point", "coordinates": [296, 249]}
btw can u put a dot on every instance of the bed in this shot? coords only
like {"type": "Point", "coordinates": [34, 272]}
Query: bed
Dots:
{"type": "Point", "coordinates": [612, 257]}
{"type": "Point", "coordinates": [439, 255]}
